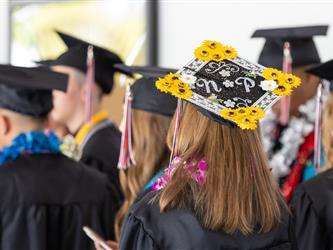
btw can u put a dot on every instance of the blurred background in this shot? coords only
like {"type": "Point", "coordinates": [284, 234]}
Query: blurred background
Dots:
{"type": "Point", "coordinates": [163, 32]}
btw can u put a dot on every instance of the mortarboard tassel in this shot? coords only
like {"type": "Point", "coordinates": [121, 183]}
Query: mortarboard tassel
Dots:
{"type": "Point", "coordinates": [90, 78]}
{"type": "Point", "coordinates": [179, 112]}
{"type": "Point", "coordinates": [126, 158]}
{"type": "Point", "coordinates": [285, 101]}
{"type": "Point", "coordinates": [317, 146]}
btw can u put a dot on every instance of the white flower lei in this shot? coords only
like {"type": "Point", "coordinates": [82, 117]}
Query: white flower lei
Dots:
{"type": "Point", "coordinates": [291, 138]}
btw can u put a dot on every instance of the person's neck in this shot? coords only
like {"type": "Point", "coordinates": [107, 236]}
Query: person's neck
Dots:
{"type": "Point", "coordinates": [78, 121]}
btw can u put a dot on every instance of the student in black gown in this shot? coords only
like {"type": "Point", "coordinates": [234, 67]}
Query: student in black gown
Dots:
{"type": "Point", "coordinates": [98, 139]}
{"type": "Point", "coordinates": [218, 192]}
{"type": "Point", "coordinates": [312, 202]}
{"type": "Point", "coordinates": [151, 116]}
{"type": "Point", "coordinates": [288, 141]}
{"type": "Point", "coordinates": [45, 197]}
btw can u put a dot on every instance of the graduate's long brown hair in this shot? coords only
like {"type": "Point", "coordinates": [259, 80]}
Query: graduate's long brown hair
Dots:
{"type": "Point", "coordinates": [240, 192]}
{"type": "Point", "coordinates": [149, 131]}
{"type": "Point", "coordinates": [327, 137]}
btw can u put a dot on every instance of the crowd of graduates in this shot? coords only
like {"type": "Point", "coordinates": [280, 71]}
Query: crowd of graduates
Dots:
{"type": "Point", "coordinates": [222, 153]}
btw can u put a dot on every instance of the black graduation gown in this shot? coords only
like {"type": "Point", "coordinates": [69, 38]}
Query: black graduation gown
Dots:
{"type": "Point", "coordinates": [45, 200]}
{"type": "Point", "coordinates": [101, 151]}
{"type": "Point", "coordinates": [312, 205]}
{"type": "Point", "coordinates": [146, 228]}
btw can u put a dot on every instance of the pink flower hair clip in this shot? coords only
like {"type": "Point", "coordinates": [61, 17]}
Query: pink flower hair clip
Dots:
{"type": "Point", "coordinates": [199, 175]}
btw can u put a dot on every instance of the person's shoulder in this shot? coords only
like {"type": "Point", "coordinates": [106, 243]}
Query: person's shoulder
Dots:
{"type": "Point", "coordinates": [181, 229]}
{"type": "Point", "coordinates": [103, 145]}
{"type": "Point", "coordinates": [106, 135]}
{"type": "Point", "coordinates": [50, 178]}
{"type": "Point", "coordinates": [316, 193]}
{"type": "Point", "coordinates": [320, 185]}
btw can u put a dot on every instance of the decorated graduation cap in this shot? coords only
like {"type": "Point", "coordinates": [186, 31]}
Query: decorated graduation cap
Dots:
{"type": "Point", "coordinates": [142, 95]}
{"type": "Point", "coordinates": [226, 87]}
{"type": "Point", "coordinates": [28, 91]}
{"type": "Point", "coordinates": [76, 57]}
{"type": "Point", "coordinates": [303, 48]}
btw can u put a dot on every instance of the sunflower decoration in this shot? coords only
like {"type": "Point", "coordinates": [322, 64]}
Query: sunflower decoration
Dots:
{"type": "Point", "coordinates": [163, 85]}
{"type": "Point", "coordinates": [283, 89]}
{"type": "Point", "coordinates": [255, 112]}
{"type": "Point", "coordinates": [272, 74]}
{"type": "Point", "coordinates": [284, 83]}
{"type": "Point", "coordinates": [172, 77]}
{"type": "Point", "coordinates": [291, 80]}
{"type": "Point", "coordinates": [173, 85]}
{"type": "Point", "coordinates": [203, 53]}
{"type": "Point", "coordinates": [214, 45]}
{"type": "Point", "coordinates": [247, 122]}
{"type": "Point", "coordinates": [229, 52]}
{"type": "Point", "coordinates": [214, 51]}
{"type": "Point", "coordinates": [182, 91]}
{"type": "Point", "coordinates": [245, 118]}
{"type": "Point", "coordinates": [229, 114]}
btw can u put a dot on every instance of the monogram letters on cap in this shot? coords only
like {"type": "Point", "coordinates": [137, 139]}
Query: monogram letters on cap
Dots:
{"type": "Point", "coordinates": [227, 85]}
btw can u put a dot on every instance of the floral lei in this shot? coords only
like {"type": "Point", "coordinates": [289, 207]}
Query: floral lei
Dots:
{"type": "Point", "coordinates": [291, 138]}
{"type": "Point", "coordinates": [31, 143]}
{"type": "Point", "coordinates": [199, 175]}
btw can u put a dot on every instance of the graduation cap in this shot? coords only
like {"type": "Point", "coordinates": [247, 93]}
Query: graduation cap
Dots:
{"type": "Point", "coordinates": [227, 88]}
{"type": "Point", "coordinates": [323, 70]}
{"type": "Point", "coordinates": [76, 57]}
{"type": "Point", "coordinates": [144, 94]}
{"type": "Point", "coordinates": [28, 91]}
{"type": "Point", "coordinates": [303, 48]}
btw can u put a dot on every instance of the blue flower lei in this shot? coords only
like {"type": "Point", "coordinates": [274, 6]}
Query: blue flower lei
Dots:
{"type": "Point", "coordinates": [31, 143]}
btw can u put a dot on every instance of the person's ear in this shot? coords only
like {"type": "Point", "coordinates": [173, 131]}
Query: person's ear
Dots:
{"type": "Point", "coordinates": [5, 125]}
{"type": "Point", "coordinates": [83, 93]}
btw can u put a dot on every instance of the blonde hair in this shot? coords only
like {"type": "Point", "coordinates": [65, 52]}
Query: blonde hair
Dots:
{"type": "Point", "coordinates": [149, 132]}
{"type": "Point", "coordinates": [327, 136]}
{"type": "Point", "coordinates": [239, 193]}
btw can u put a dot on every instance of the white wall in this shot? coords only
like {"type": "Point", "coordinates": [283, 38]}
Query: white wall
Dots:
{"type": "Point", "coordinates": [184, 24]}
{"type": "Point", "coordinates": [4, 31]}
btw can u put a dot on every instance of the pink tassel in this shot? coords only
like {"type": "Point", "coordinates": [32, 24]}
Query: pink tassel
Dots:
{"type": "Point", "coordinates": [126, 158]}
{"type": "Point", "coordinates": [90, 78]}
{"type": "Point", "coordinates": [317, 147]}
{"type": "Point", "coordinates": [285, 101]}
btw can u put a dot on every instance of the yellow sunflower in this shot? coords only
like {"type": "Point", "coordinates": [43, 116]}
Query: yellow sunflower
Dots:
{"type": "Point", "coordinates": [203, 53]}
{"type": "Point", "coordinates": [229, 114]}
{"type": "Point", "coordinates": [163, 85]}
{"type": "Point", "coordinates": [217, 56]}
{"type": "Point", "coordinates": [229, 52]}
{"type": "Point", "coordinates": [292, 80]}
{"type": "Point", "coordinates": [172, 77]}
{"type": "Point", "coordinates": [242, 112]}
{"type": "Point", "coordinates": [247, 123]}
{"type": "Point", "coordinates": [183, 93]}
{"type": "Point", "coordinates": [212, 44]}
{"type": "Point", "coordinates": [283, 89]}
{"type": "Point", "coordinates": [272, 74]}
{"type": "Point", "coordinates": [256, 112]}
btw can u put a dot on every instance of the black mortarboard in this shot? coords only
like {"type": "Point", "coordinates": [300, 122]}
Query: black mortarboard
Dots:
{"type": "Point", "coordinates": [302, 46]}
{"type": "Point", "coordinates": [227, 88]}
{"type": "Point", "coordinates": [76, 57]}
{"type": "Point", "coordinates": [28, 91]}
{"type": "Point", "coordinates": [144, 93]}
{"type": "Point", "coordinates": [324, 71]}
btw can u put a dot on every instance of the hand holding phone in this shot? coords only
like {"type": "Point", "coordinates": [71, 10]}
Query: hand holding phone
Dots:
{"type": "Point", "coordinates": [96, 238]}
